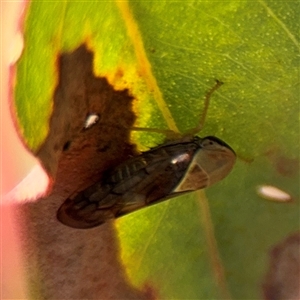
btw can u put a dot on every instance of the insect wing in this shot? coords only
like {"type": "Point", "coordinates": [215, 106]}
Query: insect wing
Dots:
{"type": "Point", "coordinates": [140, 181]}
{"type": "Point", "coordinates": [217, 158]}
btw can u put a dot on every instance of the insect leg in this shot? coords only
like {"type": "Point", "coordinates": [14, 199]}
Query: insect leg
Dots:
{"type": "Point", "coordinates": [170, 134]}
{"type": "Point", "coordinates": [208, 95]}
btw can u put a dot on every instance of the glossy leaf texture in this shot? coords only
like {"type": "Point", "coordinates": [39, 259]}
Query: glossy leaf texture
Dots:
{"type": "Point", "coordinates": [201, 246]}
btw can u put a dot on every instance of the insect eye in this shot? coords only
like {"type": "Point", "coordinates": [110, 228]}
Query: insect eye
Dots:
{"type": "Point", "coordinates": [209, 143]}
{"type": "Point", "coordinates": [212, 142]}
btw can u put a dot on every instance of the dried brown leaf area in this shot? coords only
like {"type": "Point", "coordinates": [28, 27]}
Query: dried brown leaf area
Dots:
{"type": "Point", "coordinates": [62, 262]}
{"type": "Point", "coordinates": [283, 279]}
{"type": "Point", "coordinates": [79, 94]}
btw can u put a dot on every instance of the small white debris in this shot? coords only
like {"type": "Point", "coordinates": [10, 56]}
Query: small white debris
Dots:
{"type": "Point", "coordinates": [273, 193]}
{"type": "Point", "coordinates": [91, 120]}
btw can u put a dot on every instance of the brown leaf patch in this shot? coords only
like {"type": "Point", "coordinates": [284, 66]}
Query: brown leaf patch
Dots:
{"type": "Point", "coordinates": [283, 278]}
{"type": "Point", "coordinates": [62, 262]}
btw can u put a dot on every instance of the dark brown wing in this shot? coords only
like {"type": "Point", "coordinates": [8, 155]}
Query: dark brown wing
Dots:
{"type": "Point", "coordinates": [140, 181]}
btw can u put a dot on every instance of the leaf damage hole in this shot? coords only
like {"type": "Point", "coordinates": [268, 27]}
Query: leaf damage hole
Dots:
{"type": "Point", "coordinates": [66, 146]}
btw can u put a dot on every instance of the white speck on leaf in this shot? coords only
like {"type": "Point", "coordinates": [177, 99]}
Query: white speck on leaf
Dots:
{"type": "Point", "coordinates": [91, 120]}
{"type": "Point", "coordinates": [273, 193]}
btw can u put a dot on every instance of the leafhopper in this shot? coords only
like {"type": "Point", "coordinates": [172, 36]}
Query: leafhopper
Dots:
{"type": "Point", "coordinates": [183, 165]}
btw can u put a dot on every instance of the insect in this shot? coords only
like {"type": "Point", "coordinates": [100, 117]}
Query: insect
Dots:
{"type": "Point", "coordinates": [171, 169]}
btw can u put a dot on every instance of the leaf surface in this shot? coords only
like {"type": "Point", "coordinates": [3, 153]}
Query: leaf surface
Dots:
{"type": "Point", "coordinates": [168, 54]}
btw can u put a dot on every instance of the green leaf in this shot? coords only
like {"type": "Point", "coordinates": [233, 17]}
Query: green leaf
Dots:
{"type": "Point", "coordinates": [170, 54]}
